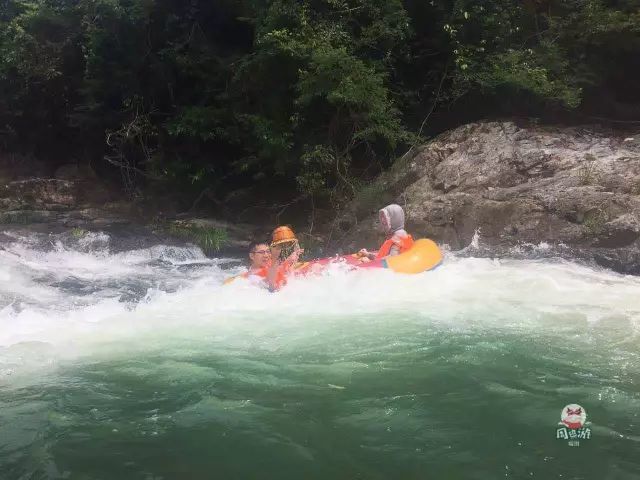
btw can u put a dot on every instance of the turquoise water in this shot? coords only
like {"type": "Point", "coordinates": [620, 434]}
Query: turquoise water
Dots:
{"type": "Point", "coordinates": [140, 365]}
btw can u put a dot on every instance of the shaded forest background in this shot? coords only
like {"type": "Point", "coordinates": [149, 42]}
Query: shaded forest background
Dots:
{"type": "Point", "coordinates": [210, 101]}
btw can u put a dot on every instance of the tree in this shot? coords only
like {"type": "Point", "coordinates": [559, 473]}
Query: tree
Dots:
{"type": "Point", "coordinates": [316, 96]}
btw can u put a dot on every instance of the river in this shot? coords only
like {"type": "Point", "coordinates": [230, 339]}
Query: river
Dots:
{"type": "Point", "coordinates": [139, 364]}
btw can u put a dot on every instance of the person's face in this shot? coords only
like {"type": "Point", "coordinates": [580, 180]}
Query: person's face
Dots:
{"type": "Point", "coordinates": [383, 223]}
{"type": "Point", "coordinates": [260, 256]}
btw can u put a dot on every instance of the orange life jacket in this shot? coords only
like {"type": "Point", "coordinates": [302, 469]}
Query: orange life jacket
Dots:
{"type": "Point", "coordinates": [281, 274]}
{"type": "Point", "coordinates": [404, 244]}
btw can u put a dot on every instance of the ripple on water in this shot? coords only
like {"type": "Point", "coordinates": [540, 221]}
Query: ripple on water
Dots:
{"type": "Point", "coordinates": [140, 364]}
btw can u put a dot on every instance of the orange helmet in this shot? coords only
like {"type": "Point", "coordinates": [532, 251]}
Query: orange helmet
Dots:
{"type": "Point", "coordinates": [283, 235]}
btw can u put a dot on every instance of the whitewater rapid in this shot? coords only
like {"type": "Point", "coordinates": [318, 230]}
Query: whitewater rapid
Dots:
{"type": "Point", "coordinates": [142, 361]}
{"type": "Point", "coordinates": [79, 298]}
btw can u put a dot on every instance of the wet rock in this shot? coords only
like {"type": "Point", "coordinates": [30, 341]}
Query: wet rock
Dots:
{"type": "Point", "coordinates": [570, 187]}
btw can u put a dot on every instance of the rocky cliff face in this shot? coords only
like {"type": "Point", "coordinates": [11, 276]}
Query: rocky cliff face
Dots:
{"type": "Point", "coordinates": [574, 189]}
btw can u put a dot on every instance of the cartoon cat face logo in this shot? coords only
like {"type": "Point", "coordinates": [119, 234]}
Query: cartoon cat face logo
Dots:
{"type": "Point", "coordinates": [573, 416]}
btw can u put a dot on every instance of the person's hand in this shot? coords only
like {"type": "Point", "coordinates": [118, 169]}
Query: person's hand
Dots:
{"type": "Point", "coordinates": [293, 258]}
{"type": "Point", "coordinates": [275, 252]}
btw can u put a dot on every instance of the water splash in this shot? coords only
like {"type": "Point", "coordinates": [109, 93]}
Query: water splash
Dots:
{"type": "Point", "coordinates": [140, 350]}
{"type": "Point", "coordinates": [65, 295]}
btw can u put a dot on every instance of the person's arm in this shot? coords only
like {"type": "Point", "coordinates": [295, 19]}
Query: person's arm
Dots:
{"type": "Point", "coordinates": [272, 272]}
{"type": "Point", "coordinates": [395, 250]}
{"type": "Point", "coordinates": [295, 255]}
{"type": "Point", "coordinates": [279, 268]}
{"type": "Point", "coordinates": [366, 253]}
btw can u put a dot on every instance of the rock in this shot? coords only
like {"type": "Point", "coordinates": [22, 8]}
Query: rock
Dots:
{"type": "Point", "coordinates": [55, 194]}
{"type": "Point", "coordinates": [27, 217]}
{"type": "Point", "coordinates": [41, 192]}
{"type": "Point", "coordinates": [7, 204]}
{"type": "Point", "coordinates": [94, 218]}
{"type": "Point", "coordinates": [621, 232]}
{"type": "Point", "coordinates": [569, 187]}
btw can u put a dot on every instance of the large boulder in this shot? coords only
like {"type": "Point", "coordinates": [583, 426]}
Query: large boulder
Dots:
{"type": "Point", "coordinates": [568, 187]}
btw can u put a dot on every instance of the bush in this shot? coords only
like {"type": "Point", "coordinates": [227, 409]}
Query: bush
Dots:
{"type": "Point", "coordinates": [209, 239]}
{"type": "Point", "coordinates": [595, 220]}
{"type": "Point", "coordinates": [370, 198]}
{"type": "Point", "coordinates": [587, 172]}
{"type": "Point", "coordinates": [302, 95]}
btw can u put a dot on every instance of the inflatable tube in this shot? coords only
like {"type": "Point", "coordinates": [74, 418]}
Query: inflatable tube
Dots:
{"type": "Point", "coordinates": [422, 257]}
{"type": "Point", "coordinates": [227, 281]}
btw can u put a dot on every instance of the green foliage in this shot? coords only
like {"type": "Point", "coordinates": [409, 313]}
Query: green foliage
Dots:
{"type": "Point", "coordinates": [334, 109]}
{"type": "Point", "coordinates": [78, 232]}
{"type": "Point", "coordinates": [587, 172]}
{"type": "Point", "coordinates": [522, 70]}
{"type": "Point", "coordinates": [210, 240]}
{"type": "Point", "coordinates": [595, 221]}
{"type": "Point", "coordinates": [317, 163]}
{"type": "Point", "coordinates": [198, 122]}
{"type": "Point", "coordinates": [499, 46]}
{"type": "Point", "coordinates": [370, 197]}
{"type": "Point", "coordinates": [307, 95]}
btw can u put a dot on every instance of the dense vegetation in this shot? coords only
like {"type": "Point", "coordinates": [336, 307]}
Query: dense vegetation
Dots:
{"type": "Point", "coordinates": [315, 97]}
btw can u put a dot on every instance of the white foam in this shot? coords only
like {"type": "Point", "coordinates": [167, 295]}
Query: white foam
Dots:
{"type": "Point", "coordinates": [185, 299]}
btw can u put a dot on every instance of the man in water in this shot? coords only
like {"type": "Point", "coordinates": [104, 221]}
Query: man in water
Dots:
{"type": "Point", "coordinates": [260, 260]}
{"type": "Point", "coordinates": [266, 267]}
